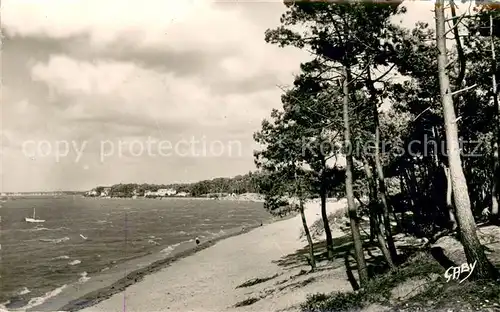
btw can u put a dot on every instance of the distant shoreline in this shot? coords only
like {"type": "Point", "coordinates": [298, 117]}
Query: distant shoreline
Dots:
{"type": "Point", "coordinates": [17, 196]}
{"type": "Point", "coordinates": [182, 198]}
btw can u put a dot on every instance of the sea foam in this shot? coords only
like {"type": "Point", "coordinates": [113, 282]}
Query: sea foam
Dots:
{"type": "Point", "coordinates": [39, 300]}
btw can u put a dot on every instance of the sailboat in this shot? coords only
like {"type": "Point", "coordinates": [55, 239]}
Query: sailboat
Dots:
{"type": "Point", "coordinates": [34, 219]}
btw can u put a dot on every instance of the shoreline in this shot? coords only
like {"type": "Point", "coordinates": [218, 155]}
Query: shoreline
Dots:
{"type": "Point", "coordinates": [58, 282]}
{"type": "Point", "coordinates": [103, 285]}
{"type": "Point", "coordinates": [106, 285]}
{"type": "Point", "coordinates": [183, 198]}
{"type": "Point", "coordinates": [211, 279]}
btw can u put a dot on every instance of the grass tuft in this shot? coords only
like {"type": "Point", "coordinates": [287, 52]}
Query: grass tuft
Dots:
{"type": "Point", "coordinates": [377, 290]}
{"type": "Point", "coordinates": [246, 302]}
{"type": "Point", "coordinates": [255, 281]}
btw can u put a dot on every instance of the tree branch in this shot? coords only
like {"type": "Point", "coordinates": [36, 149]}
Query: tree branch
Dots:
{"type": "Point", "coordinates": [464, 89]}
{"type": "Point", "coordinates": [422, 113]}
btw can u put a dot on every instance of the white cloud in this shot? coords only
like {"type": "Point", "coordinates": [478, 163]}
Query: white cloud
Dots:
{"type": "Point", "coordinates": [110, 89]}
{"type": "Point", "coordinates": [103, 20]}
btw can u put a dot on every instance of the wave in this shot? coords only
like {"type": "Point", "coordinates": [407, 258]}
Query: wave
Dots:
{"type": "Point", "coordinates": [221, 232]}
{"type": "Point", "coordinates": [170, 248]}
{"type": "Point", "coordinates": [83, 277]}
{"type": "Point", "coordinates": [2, 306]}
{"type": "Point", "coordinates": [39, 229]}
{"type": "Point", "coordinates": [75, 262]}
{"type": "Point", "coordinates": [61, 258]}
{"type": "Point", "coordinates": [23, 291]}
{"type": "Point", "coordinates": [36, 229]}
{"type": "Point", "coordinates": [150, 241]}
{"type": "Point", "coordinates": [39, 300]}
{"type": "Point", "coordinates": [167, 250]}
{"type": "Point", "coordinates": [54, 240]}
{"type": "Point", "coordinates": [154, 237]}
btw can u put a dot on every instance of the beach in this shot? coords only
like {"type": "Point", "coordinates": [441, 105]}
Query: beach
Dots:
{"type": "Point", "coordinates": [87, 244]}
{"type": "Point", "coordinates": [207, 280]}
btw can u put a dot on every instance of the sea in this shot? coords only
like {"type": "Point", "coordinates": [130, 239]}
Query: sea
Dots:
{"type": "Point", "coordinates": [82, 237]}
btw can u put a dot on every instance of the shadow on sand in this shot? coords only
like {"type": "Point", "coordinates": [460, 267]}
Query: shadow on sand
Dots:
{"type": "Point", "coordinates": [344, 256]}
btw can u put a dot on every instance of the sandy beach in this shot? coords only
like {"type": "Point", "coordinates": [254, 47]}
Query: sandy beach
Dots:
{"type": "Point", "coordinates": [208, 279]}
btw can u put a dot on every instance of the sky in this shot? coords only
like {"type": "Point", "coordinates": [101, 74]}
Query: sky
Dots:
{"type": "Point", "coordinates": [98, 92]}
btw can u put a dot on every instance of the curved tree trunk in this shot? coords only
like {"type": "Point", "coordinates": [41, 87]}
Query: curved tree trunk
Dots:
{"type": "Point", "coordinates": [312, 260]}
{"type": "Point", "coordinates": [466, 223]}
{"type": "Point", "coordinates": [300, 195]}
{"type": "Point", "coordinates": [353, 216]}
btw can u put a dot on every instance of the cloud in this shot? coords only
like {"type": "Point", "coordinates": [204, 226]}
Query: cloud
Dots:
{"type": "Point", "coordinates": [108, 89]}
{"type": "Point", "coordinates": [89, 71]}
{"type": "Point", "coordinates": [160, 23]}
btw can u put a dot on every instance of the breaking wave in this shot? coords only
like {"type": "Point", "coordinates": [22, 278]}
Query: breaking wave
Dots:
{"type": "Point", "coordinates": [54, 240]}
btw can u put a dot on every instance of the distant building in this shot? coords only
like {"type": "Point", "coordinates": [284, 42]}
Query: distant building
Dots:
{"type": "Point", "coordinates": [150, 193]}
{"type": "Point", "coordinates": [93, 193]}
{"type": "Point", "coordinates": [182, 194]}
{"type": "Point", "coordinates": [105, 192]}
{"type": "Point", "coordinates": [166, 192]}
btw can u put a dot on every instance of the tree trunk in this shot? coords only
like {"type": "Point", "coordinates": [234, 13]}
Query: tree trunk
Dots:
{"type": "Point", "coordinates": [373, 225]}
{"type": "Point", "coordinates": [495, 194]}
{"type": "Point", "coordinates": [324, 216]}
{"type": "Point", "coordinates": [380, 170]}
{"type": "Point", "coordinates": [378, 228]}
{"type": "Point", "coordinates": [383, 192]}
{"type": "Point", "coordinates": [442, 168]}
{"type": "Point", "coordinates": [372, 186]}
{"type": "Point", "coordinates": [300, 195]}
{"type": "Point", "coordinates": [449, 199]}
{"type": "Point", "coordinates": [353, 216]}
{"type": "Point", "coordinates": [466, 223]}
{"type": "Point", "coordinates": [405, 184]}
{"type": "Point", "coordinates": [312, 260]}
